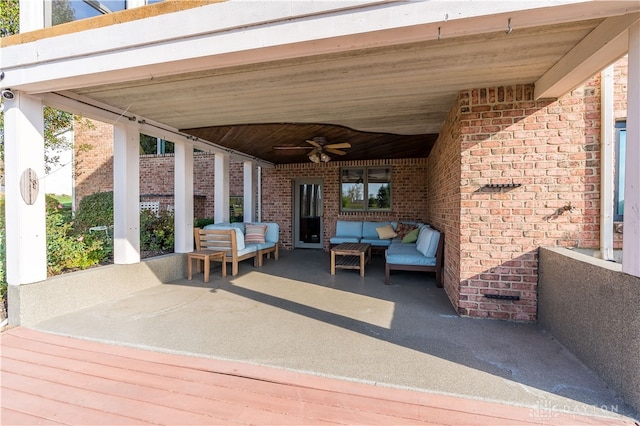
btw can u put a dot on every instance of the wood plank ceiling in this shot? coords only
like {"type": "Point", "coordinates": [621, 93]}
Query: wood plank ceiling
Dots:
{"type": "Point", "coordinates": [388, 102]}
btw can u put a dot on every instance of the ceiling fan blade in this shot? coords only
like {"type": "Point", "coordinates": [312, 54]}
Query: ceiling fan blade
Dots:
{"type": "Point", "coordinates": [314, 143]}
{"type": "Point", "coordinates": [339, 145]}
{"type": "Point", "coordinates": [335, 151]}
{"type": "Point", "coordinates": [289, 147]}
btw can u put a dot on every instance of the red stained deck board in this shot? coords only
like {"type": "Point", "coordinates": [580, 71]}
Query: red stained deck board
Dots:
{"type": "Point", "coordinates": [30, 404]}
{"type": "Point", "coordinates": [277, 397]}
{"type": "Point", "coordinates": [72, 381]}
{"type": "Point", "coordinates": [11, 417]}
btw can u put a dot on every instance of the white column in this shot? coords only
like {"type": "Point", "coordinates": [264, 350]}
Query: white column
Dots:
{"type": "Point", "coordinates": [183, 198]}
{"type": "Point", "coordinates": [607, 158]}
{"type": "Point", "coordinates": [26, 251]}
{"type": "Point", "coordinates": [250, 176]}
{"type": "Point", "coordinates": [631, 236]}
{"type": "Point", "coordinates": [221, 190]}
{"type": "Point", "coordinates": [32, 15]}
{"type": "Point", "coordinates": [126, 194]}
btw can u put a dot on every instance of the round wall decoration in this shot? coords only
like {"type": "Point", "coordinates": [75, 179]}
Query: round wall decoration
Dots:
{"type": "Point", "coordinates": [29, 186]}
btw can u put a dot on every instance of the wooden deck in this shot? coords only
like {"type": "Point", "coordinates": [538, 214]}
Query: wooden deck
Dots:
{"type": "Point", "coordinates": [51, 379]}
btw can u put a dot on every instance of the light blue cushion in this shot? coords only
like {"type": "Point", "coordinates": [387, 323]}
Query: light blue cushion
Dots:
{"type": "Point", "coordinates": [376, 242]}
{"type": "Point", "coordinates": [340, 240]}
{"type": "Point", "coordinates": [427, 243]}
{"type": "Point", "coordinates": [369, 229]}
{"type": "Point", "coordinates": [264, 246]}
{"type": "Point", "coordinates": [239, 235]}
{"type": "Point", "coordinates": [347, 228]}
{"type": "Point", "coordinates": [238, 225]}
{"type": "Point", "coordinates": [250, 248]}
{"type": "Point", "coordinates": [406, 254]}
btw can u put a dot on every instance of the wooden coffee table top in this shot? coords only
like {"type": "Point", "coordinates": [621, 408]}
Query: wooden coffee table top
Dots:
{"type": "Point", "coordinates": [351, 249]}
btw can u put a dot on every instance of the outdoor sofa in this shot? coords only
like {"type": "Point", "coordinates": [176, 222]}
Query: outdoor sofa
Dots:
{"type": "Point", "coordinates": [378, 234]}
{"type": "Point", "coordinates": [425, 254]}
{"type": "Point", "coordinates": [243, 241]}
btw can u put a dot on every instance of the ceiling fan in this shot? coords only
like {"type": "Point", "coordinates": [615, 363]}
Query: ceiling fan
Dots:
{"type": "Point", "coordinates": [318, 147]}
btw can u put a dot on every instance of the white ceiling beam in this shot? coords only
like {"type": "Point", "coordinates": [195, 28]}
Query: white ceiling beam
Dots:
{"type": "Point", "coordinates": [603, 46]}
{"type": "Point", "coordinates": [89, 108]}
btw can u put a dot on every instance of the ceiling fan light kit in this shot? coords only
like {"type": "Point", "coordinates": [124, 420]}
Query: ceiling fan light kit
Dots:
{"type": "Point", "coordinates": [318, 157]}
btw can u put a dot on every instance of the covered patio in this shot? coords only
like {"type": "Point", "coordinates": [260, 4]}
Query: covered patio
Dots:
{"type": "Point", "coordinates": [426, 71]}
{"type": "Point", "coordinates": [293, 314]}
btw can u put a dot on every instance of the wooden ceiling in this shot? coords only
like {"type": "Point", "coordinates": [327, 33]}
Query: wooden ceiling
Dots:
{"type": "Point", "coordinates": [259, 140]}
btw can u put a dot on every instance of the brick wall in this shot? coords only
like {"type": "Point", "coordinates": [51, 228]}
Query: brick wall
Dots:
{"type": "Point", "coordinates": [94, 171]}
{"type": "Point", "coordinates": [551, 150]}
{"type": "Point", "coordinates": [93, 146]}
{"type": "Point", "coordinates": [408, 194]}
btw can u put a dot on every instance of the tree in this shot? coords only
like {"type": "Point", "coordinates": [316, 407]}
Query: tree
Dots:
{"type": "Point", "coordinates": [384, 197]}
{"type": "Point", "coordinates": [61, 12]}
{"type": "Point", "coordinates": [9, 17]}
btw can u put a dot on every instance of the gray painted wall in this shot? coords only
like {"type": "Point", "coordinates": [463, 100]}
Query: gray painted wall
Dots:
{"type": "Point", "coordinates": [32, 303]}
{"type": "Point", "coordinates": [593, 309]}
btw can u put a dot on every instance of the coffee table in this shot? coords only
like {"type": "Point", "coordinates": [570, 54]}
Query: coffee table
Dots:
{"type": "Point", "coordinates": [350, 256]}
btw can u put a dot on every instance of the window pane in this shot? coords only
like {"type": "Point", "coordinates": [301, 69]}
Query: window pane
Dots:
{"type": "Point", "coordinates": [67, 10]}
{"type": "Point", "coordinates": [352, 189]}
{"type": "Point", "coordinates": [379, 188]}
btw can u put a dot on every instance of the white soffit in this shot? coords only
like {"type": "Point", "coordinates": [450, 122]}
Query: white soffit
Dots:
{"type": "Point", "coordinates": [244, 32]}
{"type": "Point", "coordinates": [89, 108]}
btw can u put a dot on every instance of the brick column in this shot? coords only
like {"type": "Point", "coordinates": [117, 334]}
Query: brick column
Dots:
{"type": "Point", "coordinates": [529, 177]}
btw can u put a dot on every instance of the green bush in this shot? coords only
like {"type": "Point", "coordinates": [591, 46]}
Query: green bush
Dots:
{"type": "Point", "coordinates": [156, 232]}
{"type": "Point", "coordinates": [94, 210]}
{"type": "Point", "coordinates": [66, 250]}
{"type": "Point", "coordinates": [202, 222]}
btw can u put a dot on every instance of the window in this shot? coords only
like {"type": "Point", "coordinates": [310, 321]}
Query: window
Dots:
{"type": "Point", "coordinates": [621, 155]}
{"type": "Point", "coordinates": [72, 10]}
{"type": "Point", "coordinates": [151, 145]}
{"type": "Point", "coordinates": [365, 188]}
{"type": "Point", "coordinates": [69, 10]}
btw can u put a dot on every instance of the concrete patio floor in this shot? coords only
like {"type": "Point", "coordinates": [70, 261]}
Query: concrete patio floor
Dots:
{"type": "Point", "coordinates": [292, 314]}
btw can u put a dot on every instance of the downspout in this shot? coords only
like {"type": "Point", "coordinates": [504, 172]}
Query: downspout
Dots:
{"type": "Point", "coordinates": [607, 156]}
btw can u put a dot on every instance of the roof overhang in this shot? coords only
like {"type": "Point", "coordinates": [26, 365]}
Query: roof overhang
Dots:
{"type": "Point", "coordinates": [371, 66]}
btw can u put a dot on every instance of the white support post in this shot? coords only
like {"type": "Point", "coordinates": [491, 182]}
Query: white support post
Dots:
{"type": "Point", "coordinates": [32, 15]}
{"type": "Point", "coordinates": [26, 239]}
{"type": "Point", "coordinates": [221, 191]}
{"type": "Point", "coordinates": [126, 194]}
{"type": "Point", "coordinates": [631, 236]}
{"type": "Point", "coordinates": [250, 184]}
{"type": "Point", "coordinates": [607, 158]}
{"type": "Point", "coordinates": [183, 198]}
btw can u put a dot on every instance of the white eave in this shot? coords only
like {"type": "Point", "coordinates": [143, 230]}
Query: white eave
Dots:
{"type": "Point", "coordinates": [240, 32]}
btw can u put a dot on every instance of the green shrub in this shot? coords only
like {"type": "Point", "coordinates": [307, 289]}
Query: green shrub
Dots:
{"type": "Point", "coordinates": [94, 210]}
{"type": "Point", "coordinates": [68, 251]}
{"type": "Point", "coordinates": [202, 222]}
{"type": "Point", "coordinates": [156, 232]}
